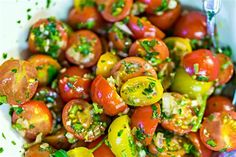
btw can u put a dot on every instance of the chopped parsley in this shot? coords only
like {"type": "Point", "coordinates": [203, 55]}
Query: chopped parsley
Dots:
{"type": "Point", "coordinates": [140, 24]}
{"type": "Point", "coordinates": [149, 90]}
{"type": "Point", "coordinates": [85, 47]}
{"type": "Point", "coordinates": [139, 134]}
{"type": "Point", "coordinates": [160, 150]}
{"type": "Point", "coordinates": [4, 55]}
{"type": "Point", "coordinates": [14, 70]}
{"type": "Point", "coordinates": [3, 99]}
{"type": "Point", "coordinates": [211, 143]}
{"type": "Point", "coordinates": [60, 153]}
{"type": "Point", "coordinates": [19, 21]}
{"type": "Point", "coordinates": [196, 68]}
{"type": "Point", "coordinates": [89, 24]}
{"type": "Point", "coordinates": [101, 7]}
{"type": "Point", "coordinates": [1, 149]}
{"type": "Point", "coordinates": [226, 65]}
{"type": "Point", "coordinates": [120, 133]}
{"type": "Point", "coordinates": [163, 7]}
{"type": "Point", "coordinates": [48, 3]}
{"type": "Point", "coordinates": [117, 7]}
{"type": "Point", "coordinates": [29, 17]}
{"type": "Point", "coordinates": [17, 110]}
{"type": "Point", "coordinates": [202, 78]}
{"type": "Point", "coordinates": [13, 142]}
{"type": "Point", "coordinates": [97, 109]}
{"type": "Point", "coordinates": [3, 136]}
{"type": "Point", "coordinates": [28, 10]}
{"type": "Point", "coordinates": [154, 112]}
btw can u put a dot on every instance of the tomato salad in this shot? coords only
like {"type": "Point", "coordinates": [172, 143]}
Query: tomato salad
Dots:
{"type": "Point", "coordinates": [122, 78]}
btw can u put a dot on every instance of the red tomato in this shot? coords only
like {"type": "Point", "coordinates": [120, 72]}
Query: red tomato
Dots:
{"type": "Point", "coordinates": [218, 131]}
{"type": "Point", "coordinates": [18, 81]}
{"type": "Point", "coordinates": [191, 25]}
{"type": "Point", "coordinates": [153, 5]}
{"type": "Point", "coordinates": [145, 126]}
{"type": "Point", "coordinates": [203, 64]}
{"type": "Point", "coordinates": [218, 104]}
{"type": "Point", "coordinates": [37, 151]}
{"type": "Point", "coordinates": [201, 148]}
{"type": "Point", "coordinates": [153, 50]}
{"type": "Point", "coordinates": [131, 67]}
{"type": "Point", "coordinates": [84, 48]}
{"type": "Point", "coordinates": [80, 119]}
{"type": "Point", "coordinates": [107, 97]}
{"type": "Point", "coordinates": [142, 28]}
{"type": "Point", "coordinates": [86, 17]}
{"type": "Point", "coordinates": [34, 118]}
{"type": "Point", "coordinates": [226, 68]}
{"type": "Point", "coordinates": [74, 83]}
{"type": "Point", "coordinates": [114, 10]}
{"type": "Point", "coordinates": [167, 19]}
{"type": "Point", "coordinates": [53, 32]}
{"type": "Point", "coordinates": [102, 151]}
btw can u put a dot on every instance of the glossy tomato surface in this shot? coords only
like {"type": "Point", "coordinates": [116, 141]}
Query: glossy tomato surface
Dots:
{"type": "Point", "coordinates": [38, 151]}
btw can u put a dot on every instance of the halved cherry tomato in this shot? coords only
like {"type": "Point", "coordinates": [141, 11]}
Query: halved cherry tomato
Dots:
{"type": "Point", "coordinates": [48, 36]}
{"type": "Point", "coordinates": [218, 131]}
{"type": "Point", "coordinates": [86, 17]}
{"type": "Point", "coordinates": [218, 104]}
{"type": "Point", "coordinates": [144, 127]}
{"type": "Point", "coordinates": [105, 64]}
{"type": "Point", "coordinates": [121, 40]}
{"type": "Point", "coordinates": [32, 118]}
{"type": "Point", "coordinates": [58, 140]}
{"type": "Point", "coordinates": [179, 114]}
{"type": "Point", "coordinates": [47, 68]}
{"type": "Point", "coordinates": [167, 19]}
{"type": "Point", "coordinates": [114, 10]}
{"type": "Point", "coordinates": [101, 151]}
{"type": "Point", "coordinates": [226, 68]}
{"type": "Point", "coordinates": [151, 49]}
{"type": "Point", "coordinates": [84, 48]}
{"type": "Point", "coordinates": [39, 150]}
{"type": "Point", "coordinates": [142, 28]}
{"type": "Point", "coordinates": [191, 25]}
{"type": "Point", "coordinates": [202, 64]}
{"type": "Point", "coordinates": [74, 83]}
{"type": "Point", "coordinates": [131, 67]}
{"type": "Point", "coordinates": [141, 91]}
{"type": "Point", "coordinates": [154, 6]}
{"type": "Point", "coordinates": [185, 84]}
{"type": "Point", "coordinates": [18, 81]}
{"type": "Point", "coordinates": [85, 121]}
{"type": "Point", "coordinates": [104, 93]}
{"type": "Point", "coordinates": [202, 150]}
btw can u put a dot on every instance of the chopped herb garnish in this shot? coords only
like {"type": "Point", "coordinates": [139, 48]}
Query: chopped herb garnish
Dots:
{"type": "Point", "coordinates": [14, 70]}
{"type": "Point", "coordinates": [163, 7]}
{"type": "Point", "coordinates": [85, 46]}
{"type": "Point", "coordinates": [89, 24]}
{"type": "Point", "coordinates": [18, 110]}
{"type": "Point", "coordinates": [139, 23]}
{"type": "Point", "coordinates": [149, 90]}
{"type": "Point", "coordinates": [3, 135]}
{"type": "Point", "coordinates": [97, 109]}
{"type": "Point", "coordinates": [28, 10]}
{"type": "Point", "coordinates": [211, 117]}
{"type": "Point", "coordinates": [139, 134]}
{"type": "Point", "coordinates": [160, 150]}
{"type": "Point", "coordinates": [13, 142]}
{"type": "Point", "coordinates": [29, 17]}
{"type": "Point", "coordinates": [117, 7]}
{"type": "Point", "coordinates": [1, 149]}
{"type": "Point", "coordinates": [3, 99]}
{"type": "Point", "coordinates": [101, 7]}
{"type": "Point", "coordinates": [211, 143]}
{"type": "Point", "coordinates": [120, 133]}
{"type": "Point", "coordinates": [196, 68]}
{"type": "Point", "coordinates": [4, 55]}
{"type": "Point", "coordinates": [154, 112]}
{"type": "Point", "coordinates": [226, 65]}
{"type": "Point", "coordinates": [48, 3]}
{"type": "Point", "coordinates": [187, 147]}
{"type": "Point", "coordinates": [60, 153]}
{"type": "Point", "coordinates": [19, 21]}
{"type": "Point", "coordinates": [202, 78]}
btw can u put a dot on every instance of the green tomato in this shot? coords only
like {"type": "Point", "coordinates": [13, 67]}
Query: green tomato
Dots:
{"type": "Point", "coordinates": [80, 152]}
{"type": "Point", "coordinates": [120, 138]}
{"type": "Point", "coordinates": [185, 84]}
{"type": "Point", "coordinates": [141, 91]}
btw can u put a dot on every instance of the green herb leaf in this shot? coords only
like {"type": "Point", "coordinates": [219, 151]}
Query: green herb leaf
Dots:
{"type": "Point", "coordinates": [3, 99]}
{"type": "Point", "coordinates": [4, 55]}
{"type": "Point", "coordinates": [101, 7]}
{"type": "Point", "coordinates": [154, 112]}
{"type": "Point", "coordinates": [60, 153]}
{"type": "Point", "coordinates": [163, 7]}
{"type": "Point", "coordinates": [211, 143]}
{"type": "Point", "coordinates": [139, 23]}
{"type": "Point", "coordinates": [1, 149]}
{"type": "Point", "coordinates": [14, 70]}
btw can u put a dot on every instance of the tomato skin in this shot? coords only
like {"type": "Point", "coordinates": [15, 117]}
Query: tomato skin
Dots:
{"type": "Point", "coordinates": [38, 115]}
{"type": "Point", "coordinates": [47, 68]}
{"type": "Point", "coordinates": [107, 11]}
{"type": "Point", "coordinates": [226, 68]}
{"type": "Point", "coordinates": [207, 64]}
{"type": "Point", "coordinates": [36, 47]}
{"type": "Point", "coordinates": [219, 129]}
{"type": "Point", "coordinates": [142, 28]}
{"type": "Point", "coordinates": [196, 141]}
{"type": "Point", "coordinates": [147, 123]}
{"type": "Point", "coordinates": [79, 81]}
{"type": "Point", "coordinates": [151, 5]}
{"type": "Point", "coordinates": [77, 45]}
{"type": "Point", "coordinates": [85, 15]}
{"type": "Point", "coordinates": [102, 151]}
{"type": "Point", "coordinates": [107, 97]}
{"type": "Point", "coordinates": [218, 104]}
{"type": "Point", "coordinates": [191, 25]}
{"type": "Point", "coordinates": [122, 72]}
{"type": "Point", "coordinates": [18, 81]}
{"type": "Point", "coordinates": [36, 151]}
{"type": "Point", "coordinates": [137, 49]}
{"type": "Point", "coordinates": [167, 19]}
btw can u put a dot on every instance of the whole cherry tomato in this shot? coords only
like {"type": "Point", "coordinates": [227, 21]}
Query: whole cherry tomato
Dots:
{"type": "Point", "coordinates": [32, 118]}
{"type": "Point", "coordinates": [144, 127]}
{"type": "Point", "coordinates": [226, 68]}
{"type": "Point", "coordinates": [202, 64]}
{"type": "Point", "coordinates": [84, 48]}
{"type": "Point", "coordinates": [218, 104]}
{"type": "Point", "coordinates": [74, 83]}
{"type": "Point", "coordinates": [114, 10]}
{"type": "Point", "coordinates": [104, 93]}
{"type": "Point", "coordinates": [143, 28]}
{"type": "Point", "coordinates": [191, 25]}
{"type": "Point", "coordinates": [18, 81]}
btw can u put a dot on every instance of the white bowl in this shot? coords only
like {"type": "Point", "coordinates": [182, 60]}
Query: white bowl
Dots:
{"type": "Point", "coordinates": [13, 41]}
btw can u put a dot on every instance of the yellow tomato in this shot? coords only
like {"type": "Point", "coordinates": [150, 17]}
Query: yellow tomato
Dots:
{"type": "Point", "coordinates": [80, 152]}
{"type": "Point", "coordinates": [120, 138]}
{"type": "Point", "coordinates": [185, 84]}
{"type": "Point", "coordinates": [47, 68]}
{"type": "Point", "coordinates": [141, 91]}
{"type": "Point", "coordinates": [106, 63]}
{"type": "Point", "coordinates": [178, 47]}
